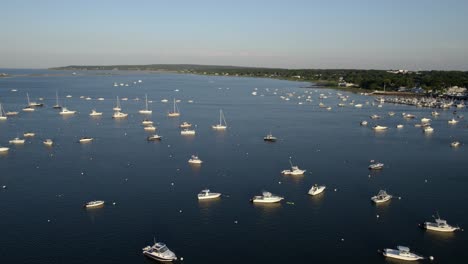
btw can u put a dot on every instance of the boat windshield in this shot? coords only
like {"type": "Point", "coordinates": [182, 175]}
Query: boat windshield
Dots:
{"type": "Point", "coordinates": [163, 249]}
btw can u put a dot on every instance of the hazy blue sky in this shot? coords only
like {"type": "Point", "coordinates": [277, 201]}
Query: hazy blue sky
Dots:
{"type": "Point", "coordinates": [410, 34]}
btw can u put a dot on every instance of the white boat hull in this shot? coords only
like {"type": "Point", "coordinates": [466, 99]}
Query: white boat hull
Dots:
{"type": "Point", "coordinates": [317, 191]}
{"type": "Point", "coordinates": [392, 253]}
{"type": "Point", "coordinates": [210, 196]}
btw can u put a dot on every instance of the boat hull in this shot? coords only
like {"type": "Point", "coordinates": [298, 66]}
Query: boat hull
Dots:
{"type": "Point", "coordinates": [211, 196]}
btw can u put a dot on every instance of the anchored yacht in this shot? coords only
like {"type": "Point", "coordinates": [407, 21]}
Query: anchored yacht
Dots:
{"type": "Point", "coordinates": [316, 189]}
{"type": "Point", "coordinates": [154, 138]}
{"type": "Point", "coordinates": [266, 197]}
{"type": "Point", "coordinates": [195, 160]}
{"type": "Point", "coordinates": [187, 132]}
{"type": "Point", "coordinates": [294, 170]}
{"type": "Point", "coordinates": [206, 194]}
{"type": "Point", "coordinates": [159, 251]}
{"type": "Point", "coordinates": [95, 113]}
{"type": "Point", "coordinates": [94, 204]}
{"type": "Point", "coordinates": [85, 139]}
{"type": "Point", "coordinates": [65, 111]}
{"type": "Point", "coordinates": [17, 141]}
{"type": "Point", "coordinates": [381, 197]}
{"type": "Point", "coordinates": [440, 225]}
{"type": "Point", "coordinates": [402, 253]}
{"type": "Point", "coordinates": [222, 122]}
{"type": "Point", "coordinates": [269, 138]}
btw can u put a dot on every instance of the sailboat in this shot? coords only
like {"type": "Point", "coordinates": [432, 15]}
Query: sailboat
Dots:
{"type": "Point", "coordinates": [146, 111]}
{"type": "Point", "coordinates": [176, 112]}
{"type": "Point", "coordinates": [57, 105]}
{"type": "Point", "coordinates": [222, 122]}
{"type": "Point", "coordinates": [2, 113]}
{"type": "Point", "coordinates": [117, 106]}
{"type": "Point", "coordinates": [28, 108]}
{"type": "Point", "coordinates": [33, 104]}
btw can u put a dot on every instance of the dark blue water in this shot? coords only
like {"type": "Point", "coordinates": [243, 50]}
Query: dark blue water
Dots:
{"type": "Point", "coordinates": [154, 188]}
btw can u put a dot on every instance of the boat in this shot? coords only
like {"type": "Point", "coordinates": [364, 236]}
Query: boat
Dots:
{"type": "Point", "coordinates": [65, 111]}
{"type": "Point", "coordinates": [381, 197]}
{"type": "Point", "coordinates": [48, 142]}
{"type": "Point", "coordinates": [149, 128]}
{"type": "Point", "coordinates": [269, 138]}
{"type": "Point", "coordinates": [29, 134]}
{"type": "Point", "coordinates": [294, 170]}
{"type": "Point", "coordinates": [4, 149]}
{"type": "Point", "coordinates": [175, 112]}
{"type": "Point", "coordinates": [358, 105]}
{"type": "Point", "coordinates": [187, 132]}
{"type": "Point", "coordinates": [195, 160]}
{"type": "Point", "coordinates": [266, 197]}
{"type": "Point", "coordinates": [85, 139]}
{"type": "Point", "coordinates": [399, 126]}
{"type": "Point", "coordinates": [375, 117]}
{"type": "Point", "coordinates": [29, 109]}
{"type": "Point", "coordinates": [11, 113]}
{"type": "Point", "coordinates": [439, 225]}
{"type": "Point", "coordinates": [117, 105]}
{"type": "Point", "coordinates": [68, 96]}
{"type": "Point", "coordinates": [453, 121]}
{"type": "Point", "coordinates": [154, 138]}
{"type": "Point", "coordinates": [363, 123]}
{"type": "Point", "coordinates": [379, 128]}
{"type": "Point", "coordinates": [95, 113]}
{"type": "Point", "coordinates": [402, 253]}
{"type": "Point", "coordinates": [376, 166]}
{"type": "Point", "coordinates": [316, 189]}
{"type": "Point", "coordinates": [3, 115]}
{"type": "Point", "coordinates": [33, 104]}
{"type": "Point", "coordinates": [425, 120]}
{"type": "Point", "coordinates": [147, 122]}
{"type": "Point", "coordinates": [408, 116]}
{"type": "Point", "coordinates": [455, 144]}
{"type": "Point", "coordinates": [428, 129]}
{"type": "Point", "coordinates": [391, 113]}
{"type": "Point", "coordinates": [146, 111]}
{"type": "Point", "coordinates": [185, 125]}
{"type": "Point", "coordinates": [57, 105]}
{"type": "Point", "coordinates": [435, 113]}
{"type": "Point", "coordinates": [118, 114]}
{"type": "Point", "coordinates": [164, 101]}
{"type": "Point", "coordinates": [159, 251]}
{"type": "Point", "coordinates": [94, 204]}
{"type": "Point", "coordinates": [222, 122]}
{"type": "Point", "coordinates": [100, 99]}
{"type": "Point", "coordinates": [17, 141]}
{"type": "Point", "coordinates": [206, 194]}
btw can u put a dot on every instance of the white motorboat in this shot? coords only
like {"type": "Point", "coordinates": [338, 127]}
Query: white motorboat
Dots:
{"type": "Point", "coordinates": [147, 122]}
{"type": "Point", "coordinates": [206, 194]}
{"type": "Point", "coordinates": [85, 139]}
{"type": "Point", "coordinates": [68, 96]}
{"type": "Point", "coordinates": [408, 116]}
{"type": "Point", "coordinates": [100, 99]}
{"type": "Point", "coordinates": [48, 142]}
{"type": "Point", "coordinates": [3, 115]}
{"type": "Point", "coordinates": [363, 123]}
{"type": "Point", "coordinates": [175, 112]}
{"type": "Point", "coordinates": [402, 253]}
{"type": "Point", "coordinates": [95, 113]}
{"type": "Point", "coordinates": [17, 141]}
{"type": "Point", "coordinates": [376, 166]}
{"type": "Point", "coordinates": [435, 113]}
{"type": "Point", "coordinates": [269, 138]}
{"type": "Point", "coordinates": [440, 225]}
{"type": "Point", "coordinates": [428, 129]}
{"type": "Point", "coordinates": [455, 144]}
{"type": "Point", "coordinates": [29, 134]}
{"type": "Point", "coordinates": [29, 109]}
{"type": "Point", "coordinates": [453, 121]}
{"type": "Point", "coordinates": [94, 204]}
{"type": "Point", "coordinates": [358, 105]}
{"type": "Point", "coordinates": [159, 251]}
{"type": "Point", "coordinates": [381, 197]}
{"type": "Point", "coordinates": [391, 113]}
{"type": "Point", "coordinates": [65, 111]}
{"type": "Point", "coordinates": [375, 117]}
{"type": "Point", "coordinates": [187, 132]}
{"type": "Point", "coordinates": [266, 197]}
{"type": "Point", "coordinates": [195, 160]}
{"type": "Point", "coordinates": [149, 128]}
{"type": "Point", "coordinates": [4, 149]}
{"type": "Point", "coordinates": [146, 111]}
{"type": "Point", "coordinates": [399, 126]}
{"type": "Point", "coordinates": [425, 120]}
{"type": "Point", "coordinates": [294, 170]}
{"type": "Point", "coordinates": [154, 138]}
{"type": "Point", "coordinates": [379, 128]}
{"type": "Point", "coordinates": [117, 105]}
{"type": "Point", "coordinates": [12, 113]}
{"type": "Point", "coordinates": [316, 189]}
{"type": "Point", "coordinates": [164, 101]}
{"type": "Point", "coordinates": [119, 114]}
{"type": "Point", "coordinates": [185, 125]}
{"type": "Point", "coordinates": [222, 122]}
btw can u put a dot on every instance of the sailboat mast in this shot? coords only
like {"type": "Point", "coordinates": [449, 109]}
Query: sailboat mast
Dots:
{"type": "Point", "coordinates": [146, 101]}
{"type": "Point", "coordinates": [56, 97]}
{"type": "Point", "coordinates": [27, 95]}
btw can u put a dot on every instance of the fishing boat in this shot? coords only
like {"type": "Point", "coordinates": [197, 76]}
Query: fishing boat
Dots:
{"type": "Point", "coordinates": [453, 121]}
{"type": "Point", "coordinates": [222, 122]}
{"type": "Point", "coordinates": [150, 128]}
{"type": "Point", "coordinates": [118, 114]}
{"type": "Point", "coordinates": [146, 111]}
{"type": "Point", "coordinates": [159, 251]}
{"type": "Point", "coordinates": [94, 204]}
{"type": "Point", "coordinates": [11, 113]}
{"type": "Point", "coordinates": [269, 138]}
{"type": "Point", "coordinates": [379, 128]}
{"type": "Point", "coordinates": [294, 170]}
{"type": "Point", "coordinates": [206, 194]}
{"type": "Point", "coordinates": [117, 105]}
{"type": "Point", "coordinates": [29, 134]}
{"type": "Point", "coordinates": [375, 116]}
{"type": "Point", "coordinates": [363, 123]}
{"type": "Point", "coordinates": [187, 132]}
{"type": "Point", "coordinates": [376, 166]}
{"type": "Point", "coordinates": [440, 225]}
{"type": "Point", "coordinates": [86, 139]}
{"type": "Point", "coordinates": [425, 120]}
{"type": "Point", "coordinates": [435, 113]}
{"type": "Point", "coordinates": [381, 197]}
{"type": "Point", "coordinates": [316, 189]}
{"type": "Point", "coordinates": [408, 116]}
{"type": "Point", "coordinates": [402, 253]}
{"type": "Point", "coordinates": [175, 111]}
{"type": "Point", "coordinates": [57, 105]}
{"type": "Point", "coordinates": [154, 138]}
{"type": "Point", "coordinates": [95, 113]}
{"type": "Point", "coordinates": [65, 111]}
{"type": "Point", "coordinates": [195, 160]}
{"type": "Point", "coordinates": [185, 125]}
{"type": "Point", "coordinates": [428, 129]}
{"type": "Point", "coordinates": [267, 197]}
{"type": "Point", "coordinates": [48, 142]}
{"type": "Point", "coordinates": [29, 109]}
{"type": "Point", "coordinates": [17, 141]}
{"type": "Point", "coordinates": [399, 126]}
{"type": "Point", "coordinates": [3, 149]}
{"type": "Point", "coordinates": [455, 144]}
{"type": "Point", "coordinates": [391, 113]}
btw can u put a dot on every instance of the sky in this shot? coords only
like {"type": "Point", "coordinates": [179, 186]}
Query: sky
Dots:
{"type": "Point", "coordinates": [351, 34]}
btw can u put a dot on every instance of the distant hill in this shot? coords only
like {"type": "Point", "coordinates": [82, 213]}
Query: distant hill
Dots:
{"type": "Point", "coordinates": [151, 67]}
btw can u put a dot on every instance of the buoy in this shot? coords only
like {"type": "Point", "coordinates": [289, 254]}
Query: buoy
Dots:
{"type": "Point", "coordinates": [431, 258]}
{"type": "Point", "coordinates": [335, 190]}
{"type": "Point", "coordinates": [378, 216]}
{"type": "Point", "coordinates": [82, 173]}
{"type": "Point", "coordinates": [180, 211]}
{"type": "Point", "coordinates": [172, 183]}
{"type": "Point", "coordinates": [48, 221]}
{"type": "Point", "coordinates": [342, 239]}
{"type": "Point", "coordinates": [113, 203]}
{"type": "Point", "coordinates": [4, 186]}
{"type": "Point", "coordinates": [181, 258]}
{"type": "Point", "coordinates": [279, 182]}
{"type": "Point", "coordinates": [235, 222]}
{"type": "Point", "coordinates": [425, 180]}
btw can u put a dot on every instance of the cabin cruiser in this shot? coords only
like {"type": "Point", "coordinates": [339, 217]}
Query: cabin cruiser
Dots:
{"type": "Point", "coordinates": [65, 111]}
{"type": "Point", "coordinates": [94, 204]}
{"type": "Point", "coordinates": [269, 138]}
{"type": "Point", "coordinates": [149, 128]}
{"type": "Point", "coordinates": [440, 225]}
{"type": "Point", "coordinates": [4, 149]}
{"type": "Point", "coordinates": [402, 253]}
{"type": "Point", "coordinates": [48, 142]}
{"type": "Point", "coordinates": [316, 189]}
{"type": "Point", "coordinates": [206, 194]}
{"type": "Point", "coordinates": [375, 117]}
{"type": "Point", "coordinates": [29, 134]}
{"type": "Point", "coordinates": [399, 126]}
{"type": "Point", "coordinates": [17, 141]}
{"type": "Point", "coordinates": [376, 166]}
{"type": "Point", "coordinates": [85, 139]}
{"type": "Point", "coordinates": [195, 160]}
{"type": "Point", "coordinates": [453, 121]}
{"type": "Point", "coordinates": [266, 197]}
{"type": "Point", "coordinates": [358, 105]}
{"type": "Point", "coordinates": [159, 251]}
{"type": "Point", "coordinates": [154, 138]}
{"type": "Point", "coordinates": [119, 114]}
{"type": "Point", "coordinates": [379, 128]}
{"type": "Point", "coordinates": [425, 120]}
{"type": "Point", "coordinates": [428, 129]}
{"type": "Point", "coordinates": [381, 197]}
{"type": "Point", "coordinates": [185, 125]}
{"type": "Point", "coordinates": [95, 113]}
{"type": "Point", "coordinates": [187, 132]}
{"type": "Point", "coordinates": [293, 171]}
{"type": "Point", "coordinates": [391, 113]}
{"type": "Point", "coordinates": [147, 122]}
{"type": "Point", "coordinates": [455, 144]}
{"type": "Point", "coordinates": [364, 123]}
{"type": "Point", "coordinates": [11, 113]}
